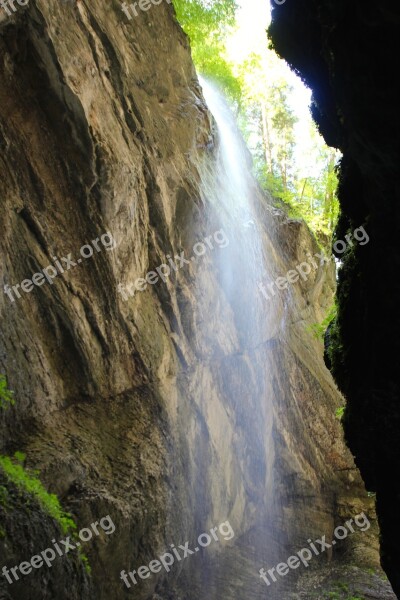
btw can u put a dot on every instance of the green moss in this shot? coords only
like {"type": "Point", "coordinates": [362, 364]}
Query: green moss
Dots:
{"type": "Point", "coordinates": [338, 350]}
{"type": "Point", "coordinates": [3, 496]}
{"type": "Point", "coordinates": [335, 349]}
{"type": "Point", "coordinates": [339, 413]}
{"type": "Point", "coordinates": [341, 591]}
{"type": "Point", "coordinates": [84, 559]}
{"type": "Point", "coordinates": [29, 482]}
{"type": "Point", "coordinates": [6, 395]}
{"type": "Point", "coordinates": [319, 329]}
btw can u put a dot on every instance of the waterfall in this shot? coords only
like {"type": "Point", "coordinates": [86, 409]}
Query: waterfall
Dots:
{"type": "Point", "coordinates": [238, 329]}
{"type": "Point", "coordinates": [229, 186]}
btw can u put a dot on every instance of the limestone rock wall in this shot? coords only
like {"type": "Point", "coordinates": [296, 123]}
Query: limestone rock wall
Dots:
{"type": "Point", "coordinates": [348, 61]}
{"type": "Point", "coordinates": [130, 408]}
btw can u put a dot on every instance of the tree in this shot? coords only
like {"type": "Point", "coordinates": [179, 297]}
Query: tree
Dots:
{"type": "Point", "coordinates": [283, 122]}
{"type": "Point", "coordinates": [257, 83]}
{"type": "Point", "coordinates": [207, 24]}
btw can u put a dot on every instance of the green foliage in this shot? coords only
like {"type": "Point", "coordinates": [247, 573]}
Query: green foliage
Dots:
{"type": "Point", "coordinates": [335, 349]}
{"type": "Point", "coordinates": [3, 496]}
{"type": "Point", "coordinates": [207, 23]}
{"type": "Point", "coordinates": [29, 482]}
{"type": "Point", "coordinates": [20, 457]}
{"type": "Point", "coordinates": [340, 596]}
{"type": "Point", "coordinates": [269, 125]}
{"type": "Point", "coordinates": [6, 395]}
{"type": "Point", "coordinates": [257, 84]}
{"type": "Point", "coordinates": [312, 198]}
{"type": "Point", "coordinates": [319, 329]}
{"type": "Point", "coordinates": [216, 68]}
{"type": "Point", "coordinates": [339, 413]}
{"type": "Point", "coordinates": [205, 18]}
{"type": "Point", "coordinates": [341, 591]}
{"type": "Point", "coordinates": [85, 561]}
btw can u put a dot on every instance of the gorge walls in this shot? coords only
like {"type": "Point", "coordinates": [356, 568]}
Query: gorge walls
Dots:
{"type": "Point", "coordinates": [348, 54]}
{"type": "Point", "coordinates": [148, 406]}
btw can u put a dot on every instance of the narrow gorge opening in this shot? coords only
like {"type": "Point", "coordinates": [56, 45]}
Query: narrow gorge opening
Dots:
{"type": "Point", "coordinates": [184, 253]}
{"type": "Point", "coordinates": [291, 160]}
{"type": "Point", "coordinates": [288, 174]}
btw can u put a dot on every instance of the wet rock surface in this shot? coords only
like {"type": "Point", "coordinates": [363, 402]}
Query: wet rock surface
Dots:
{"type": "Point", "coordinates": [150, 409]}
{"type": "Point", "coordinates": [348, 62]}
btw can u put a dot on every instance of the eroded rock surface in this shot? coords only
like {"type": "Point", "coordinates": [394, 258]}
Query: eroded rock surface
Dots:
{"type": "Point", "coordinates": [151, 410]}
{"type": "Point", "coordinates": [348, 60]}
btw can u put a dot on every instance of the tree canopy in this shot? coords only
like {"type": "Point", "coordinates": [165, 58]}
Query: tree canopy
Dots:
{"type": "Point", "coordinates": [257, 83]}
{"type": "Point", "coordinates": [207, 24]}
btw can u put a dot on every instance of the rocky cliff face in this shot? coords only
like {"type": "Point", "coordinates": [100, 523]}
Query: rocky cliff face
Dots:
{"type": "Point", "coordinates": [149, 407]}
{"type": "Point", "coordinates": [346, 53]}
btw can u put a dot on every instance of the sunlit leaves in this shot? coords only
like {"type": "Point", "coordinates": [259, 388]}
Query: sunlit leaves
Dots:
{"type": "Point", "coordinates": [207, 24]}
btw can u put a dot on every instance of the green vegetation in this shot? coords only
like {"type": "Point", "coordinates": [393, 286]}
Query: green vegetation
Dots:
{"type": "Point", "coordinates": [85, 561]}
{"type": "Point", "coordinates": [3, 496]}
{"type": "Point", "coordinates": [259, 87]}
{"type": "Point", "coordinates": [207, 23]}
{"type": "Point", "coordinates": [335, 350]}
{"type": "Point", "coordinates": [319, 329]}
{"type": "Point", "coordinates": [340, 596]}
{"type": "Point", "coordinates": [341, 591]}
{"type": "Point", "coordinates": [339, 413]}
{"type": "Point", "coordinates": [14, 470]}
{"type": "Point", "coordinates": [6, 395]}
{"type": "Point", "coordinates": [3, 502]}
{"type": "Point", "coordinates": [29, 482]}
{"type": "Point", "coordinates": [269, 125]}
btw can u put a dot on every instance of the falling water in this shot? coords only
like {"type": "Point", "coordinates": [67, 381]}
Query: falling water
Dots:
{"type": "Point", "coordinates": [228, 184]}
{"type": "Point", "coordinates": [241, 327]}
